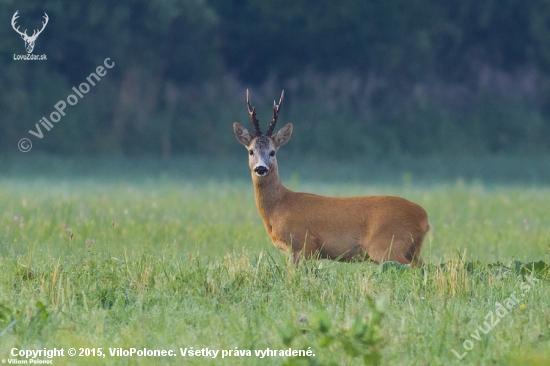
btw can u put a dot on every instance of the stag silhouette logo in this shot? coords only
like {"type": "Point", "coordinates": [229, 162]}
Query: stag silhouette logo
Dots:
{"type": "Point", "coordinates": [29, 40]}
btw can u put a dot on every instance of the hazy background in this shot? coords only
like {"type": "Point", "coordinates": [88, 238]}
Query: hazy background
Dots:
{"type": "Point", "coordinates": [362, 78]}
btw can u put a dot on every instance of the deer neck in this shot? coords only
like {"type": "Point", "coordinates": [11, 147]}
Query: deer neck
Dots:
{"type": "Point", "coordinates": [268, 191]}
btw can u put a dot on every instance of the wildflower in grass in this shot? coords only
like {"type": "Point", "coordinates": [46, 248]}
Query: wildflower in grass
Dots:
{"type": "Point", "coordinates": [89, 243]}
{"type": "Point", "coordinates": [20, 219]}
{"type": "Point", "coordinates": [15, 240]}
{"type": "Point", "coordinates": [522, 306]}
{"type": "Point", "coordinates": [69, 230]}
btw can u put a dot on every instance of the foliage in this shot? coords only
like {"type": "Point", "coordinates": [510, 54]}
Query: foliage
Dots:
{"type": "Point", "coordinates": [360, 341]}
{"type": "Point", "coordinates": [406, 39]}
{"type": "Point", "coordinates": [405, 77]}
{"type": "Point", "coordinates": [151, 44]}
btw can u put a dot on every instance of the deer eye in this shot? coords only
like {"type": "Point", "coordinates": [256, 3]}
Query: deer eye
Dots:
{"type": "Point", "coordinates": [250, 152]}
{"type": "Point", "coordinates": [272, 153]}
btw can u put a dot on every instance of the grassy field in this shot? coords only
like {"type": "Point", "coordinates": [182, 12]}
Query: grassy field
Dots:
{"type": "Point", "coordinates": [173, 255]}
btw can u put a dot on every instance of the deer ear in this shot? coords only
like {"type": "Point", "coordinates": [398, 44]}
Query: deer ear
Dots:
{"type": "Point", "coordinates": [242, 134]}
{"type": "Point", "coordinates": [283, 135]}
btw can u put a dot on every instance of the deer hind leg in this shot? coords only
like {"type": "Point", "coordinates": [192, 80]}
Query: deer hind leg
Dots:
{"type": "Point", "coordinates": [414, 251]}
{"type": "Point", "coordinates": [381, 256]}
{"type": "Point", "coordinates": [403, 248]}
{"type": "Point", "coordinates": [390, 249]}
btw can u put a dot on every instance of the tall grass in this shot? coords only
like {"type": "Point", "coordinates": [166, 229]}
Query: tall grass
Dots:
{"type": "Point", "coordinates": [159, 261]}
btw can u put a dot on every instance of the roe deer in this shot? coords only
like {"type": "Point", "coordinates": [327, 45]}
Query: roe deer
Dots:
{"type": "Point", "coordinates": [351, 228]}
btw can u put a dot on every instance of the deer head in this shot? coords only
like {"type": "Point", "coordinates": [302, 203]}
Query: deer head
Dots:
{"type": "Point", "coordinates": [29, 41]}
{"type": "Point", "coordinates": [262, 148]}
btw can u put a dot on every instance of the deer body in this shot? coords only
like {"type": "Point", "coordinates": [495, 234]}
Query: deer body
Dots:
{"type": "Point", "coordinates": [349, 228]}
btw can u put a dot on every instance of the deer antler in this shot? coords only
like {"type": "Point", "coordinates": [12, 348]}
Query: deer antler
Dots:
{"type": "Point", "coordinates": [46, 18]}
{"type": "Point", "coordinates": [24, 34]}
{"type": "Point", "coordinates": [252, 113]}
{"type": "Point", "coordinates": [13, 19]}
{"type": "Point", "coordinates": [276, 108]}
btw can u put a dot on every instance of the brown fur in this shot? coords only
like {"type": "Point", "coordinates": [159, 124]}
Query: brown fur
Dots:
{"type": "Point", "coordinates": [379, 228]}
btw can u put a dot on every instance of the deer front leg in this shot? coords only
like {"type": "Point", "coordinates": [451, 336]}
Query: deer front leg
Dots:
{"type": "Point", "coordinates": [287, 248]}
{"type": "Point", "coordinates": [305, 248]}
{"type": "Point", "coordinates": [299, 246]}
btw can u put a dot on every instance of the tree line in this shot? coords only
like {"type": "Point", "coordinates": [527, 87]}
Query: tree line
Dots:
{"type": "Point", "coordinates": [416, 77]}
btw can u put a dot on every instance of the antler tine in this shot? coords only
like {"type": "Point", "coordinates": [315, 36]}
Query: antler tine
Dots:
{"type": "Point", "coordinates": [252, 113]}
{"type": "Point", "coordinates": [13, 21]}
{"type": "Point", "coordinates": [46, 18]}
{"type": "Point", "coordinates": [276, 108]}
{"type": "Point", "coordinates": [36, 31]}
{"type": "Point", "coordinates": [14, 18]}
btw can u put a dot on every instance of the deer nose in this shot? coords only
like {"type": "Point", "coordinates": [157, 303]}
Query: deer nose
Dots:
{"type": "Point", "coordinates": [260, 170]}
